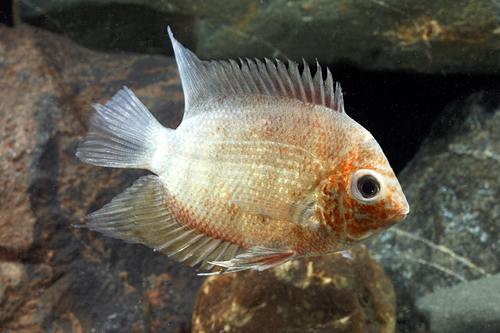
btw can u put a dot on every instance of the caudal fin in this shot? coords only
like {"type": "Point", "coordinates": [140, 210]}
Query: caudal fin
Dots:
{"type": "Point", "coordinates": [122, 134]}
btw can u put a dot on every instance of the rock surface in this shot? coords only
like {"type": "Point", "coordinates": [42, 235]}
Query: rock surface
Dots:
{"type": "Point", "coordinates": [314, 294]}
{"type": "Point", "coordinates": [452, 234]}
{"type": "Point", "coordinates": [468, 307]}
{"type": "Point", "coordinates": [429, 37]}
{"type": "Point", "coordinates": [54, 277]}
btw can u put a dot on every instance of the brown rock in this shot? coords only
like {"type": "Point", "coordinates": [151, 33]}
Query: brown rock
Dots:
{"type": "Point", "coordinates": [312, 294]}
{"type": "Point", "coordinates": [53, 277]}
{"type": "Point", "coordinates": [17, 282]}
{"type": "Point", "coordinates": [18, 142]}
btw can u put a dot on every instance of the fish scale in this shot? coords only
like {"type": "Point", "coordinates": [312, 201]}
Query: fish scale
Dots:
{"type": "Point", "coordinates": [254, 174]}
{"type": "Point", "coordinates": [265, 166]}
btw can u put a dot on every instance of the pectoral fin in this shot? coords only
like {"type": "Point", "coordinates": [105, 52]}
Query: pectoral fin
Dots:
{"type": "Point", "coordinates": [257, 258]}
{"type": "Point", "coordinates": [265, 202]}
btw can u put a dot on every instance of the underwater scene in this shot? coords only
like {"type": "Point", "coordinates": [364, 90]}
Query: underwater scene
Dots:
{"type": "Point", "coordinates": [250, 166]}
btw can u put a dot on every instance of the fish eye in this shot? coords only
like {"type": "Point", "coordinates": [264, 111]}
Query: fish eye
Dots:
{"type": "Point", "coordinates": [366, 185]}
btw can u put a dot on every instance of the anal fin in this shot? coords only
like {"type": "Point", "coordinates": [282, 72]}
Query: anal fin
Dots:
{"type": "Point", "coordinates": [138, 215]}
{"type": "Point", "coordinates": [141, 215]}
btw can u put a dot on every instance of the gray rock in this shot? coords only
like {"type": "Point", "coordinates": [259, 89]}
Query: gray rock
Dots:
{"type": "Point", "coordinates": [428, 37]}
{"type": "Point", "coordinates": [452, 185]}
{"type": "Point", "coordinates": [467, 308]}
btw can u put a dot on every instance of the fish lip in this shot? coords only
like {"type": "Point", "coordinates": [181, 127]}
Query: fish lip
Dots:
{"type": "Point", "coordinates": [404, 211]}
{"type": "Point", "coordinates": [401, 215]}
{"type": "Point", "coordinates": [398, 217]}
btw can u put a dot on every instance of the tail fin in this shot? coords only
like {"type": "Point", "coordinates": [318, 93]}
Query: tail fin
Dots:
{"type": "Point", "coordinates": [123, 134]}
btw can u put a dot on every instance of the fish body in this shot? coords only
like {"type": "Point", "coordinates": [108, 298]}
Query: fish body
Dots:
{"type": "Point", "coordinates": [266, 166]}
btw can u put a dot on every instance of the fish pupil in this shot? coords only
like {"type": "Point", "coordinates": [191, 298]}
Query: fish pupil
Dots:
{"type": "Point", "coordinates": [368, 186]}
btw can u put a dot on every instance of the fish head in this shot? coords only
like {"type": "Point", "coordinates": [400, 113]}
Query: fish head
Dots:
{"type": "Point", "coordinates": [368, 198]}
{"type": "Point", "coordinates": [373, 202]}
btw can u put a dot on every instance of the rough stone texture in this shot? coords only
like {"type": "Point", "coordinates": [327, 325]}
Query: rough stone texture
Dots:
{"type": "Point", "coordinates": [452, 234]}
{"type": "Point", "coordinates": [18, 145]}
{"type": "Point", "coordinates": [468, 307]}
{"type": "Point", "coordinates": [53, 277]}
{"type": "Point", "coordinates": [315, 294]}
{"type": "Point", "coordinates": [428, 37]}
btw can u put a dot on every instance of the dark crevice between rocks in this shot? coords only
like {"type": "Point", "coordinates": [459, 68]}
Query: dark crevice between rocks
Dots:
{"type": "Point", "coordinates": [43, 196]}
{"type": "Point", "coordinates": [11, 255]}
{"type": "Point", "coordinates": [451, 117]}
{"type": "Point", "coordinates": [6, 13]}
{"type": "Point", "coordinates": [400, 108]}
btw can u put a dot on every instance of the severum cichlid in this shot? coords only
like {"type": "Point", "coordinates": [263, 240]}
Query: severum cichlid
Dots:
{"type": "Point", "coordinates": [266, 166]}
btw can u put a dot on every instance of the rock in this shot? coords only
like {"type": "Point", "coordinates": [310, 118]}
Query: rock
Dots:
{"type": "Point", "coordinates": [54, 277]}
{"type": "Point", "coordinates": [18, 281]}
{"type": "Point", "coordinates": [465, 308]}
{"type": "Point", "coordinates": [19, 144]}
{"type": "Point", "coordinates": [311, 294]}
{"type": "Point", "coordinates": [431, 37]}
{"type": "Point", "coordinates": [452, 186]}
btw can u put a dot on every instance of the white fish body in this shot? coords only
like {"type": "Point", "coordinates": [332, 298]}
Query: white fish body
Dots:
{"type": "Point", "coordinates": [259, 171]}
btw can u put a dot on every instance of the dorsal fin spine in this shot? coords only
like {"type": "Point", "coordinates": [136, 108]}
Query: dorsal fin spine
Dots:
{"type": "Point", "coordinates": [319, 86]}
{"type": "Point", "coordinates": [239, 75]}
{"type": "Point", "coordinates": [272, 69]}
{"type": "Point", "coordinates": [265, 78]}
{"type": "Point", "coordinates": [257, 79]}
{"type": "Point", "coordinates": [287, 80]}
{"type": "Point", "coordinates": [339, 98]}
{"type": "Point", "coordinates": [329, 89]}
{"type": "Point", "coordinates": [297, 80]}
{"type": "Point", "coordinates": [247, 75]}
{"type": "Point", "coordinates": [220, 74]}
{"type": "Point", "coordinates": [307, 83]}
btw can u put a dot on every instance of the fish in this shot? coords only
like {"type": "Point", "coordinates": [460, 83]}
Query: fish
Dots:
{"type": "Point", "coordinates": [265, 167]}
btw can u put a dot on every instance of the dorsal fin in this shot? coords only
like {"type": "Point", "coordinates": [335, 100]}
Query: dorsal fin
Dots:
{"type": "Point", "coordinates": [203, 80]}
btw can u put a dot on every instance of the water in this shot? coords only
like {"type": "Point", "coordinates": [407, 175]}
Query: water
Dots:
{"type": "Point", "coordinates": [401, 68]}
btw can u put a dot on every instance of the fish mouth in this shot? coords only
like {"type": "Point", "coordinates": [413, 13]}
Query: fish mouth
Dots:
{"type": "Point", "coordinates": [387, 224]}
{"type": "Point", "coordinates": [400, 216]}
